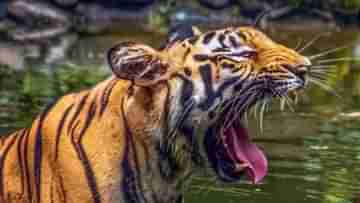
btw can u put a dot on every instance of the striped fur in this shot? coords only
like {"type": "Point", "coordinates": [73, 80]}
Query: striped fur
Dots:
{"type": "Point", "coordinates": [137, 136]}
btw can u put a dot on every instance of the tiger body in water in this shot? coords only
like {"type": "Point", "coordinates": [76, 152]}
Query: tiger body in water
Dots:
{"type": "Point", "coordinates": [140, 135]}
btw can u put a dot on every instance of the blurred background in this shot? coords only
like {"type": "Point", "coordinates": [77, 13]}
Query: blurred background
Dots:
{"type": "Point", "coordinates": [51, 47]}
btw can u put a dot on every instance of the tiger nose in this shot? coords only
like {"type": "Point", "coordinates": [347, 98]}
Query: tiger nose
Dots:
{"type": "Point", "coordinates": [301, 71]}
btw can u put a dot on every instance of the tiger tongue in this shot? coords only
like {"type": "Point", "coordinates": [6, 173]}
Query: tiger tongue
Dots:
{"type": "Point", "coordinates": [251, 158]}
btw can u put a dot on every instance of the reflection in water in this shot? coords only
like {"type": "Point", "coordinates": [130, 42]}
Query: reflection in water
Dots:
{"type": "Point", "coordinates": [314, 153]}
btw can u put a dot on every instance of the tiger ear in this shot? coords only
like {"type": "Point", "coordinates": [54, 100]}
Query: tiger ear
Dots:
{"type": "Point", "coordinates": [138, 63]}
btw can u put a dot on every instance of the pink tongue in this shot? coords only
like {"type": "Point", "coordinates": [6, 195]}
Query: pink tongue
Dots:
{"type": "Point", "coordinates": [248, 154]}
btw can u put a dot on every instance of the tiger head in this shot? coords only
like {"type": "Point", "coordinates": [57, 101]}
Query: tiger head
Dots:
{"type": "Point", "coordinates": [214, 78]}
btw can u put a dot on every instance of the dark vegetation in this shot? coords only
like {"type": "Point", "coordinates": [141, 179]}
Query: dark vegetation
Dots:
{"type": "Point", "coordinates": [23, 20]}
{"type": "Point", "coordinates": [25, 95]}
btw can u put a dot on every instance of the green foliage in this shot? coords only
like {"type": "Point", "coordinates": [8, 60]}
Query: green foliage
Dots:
{"type": "Point", "coordinates": [72, 78]}
{"type": "Point", "coordinates": [24, 94]}
{"type": "Point", "coordinates": [351, 4]}
{"type": "Point", "coordinates": [296, 3]}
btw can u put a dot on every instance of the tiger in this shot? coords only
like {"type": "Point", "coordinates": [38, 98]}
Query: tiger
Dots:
{"type": "Point", "coordinates": [163, 114]}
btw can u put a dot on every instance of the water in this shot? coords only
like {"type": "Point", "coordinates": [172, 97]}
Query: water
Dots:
{"type": "Point", "coordinates": [314, 152]}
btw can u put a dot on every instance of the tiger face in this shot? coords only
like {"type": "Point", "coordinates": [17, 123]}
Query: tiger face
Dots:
{"type": "Point", "coordinates": [213, 79]}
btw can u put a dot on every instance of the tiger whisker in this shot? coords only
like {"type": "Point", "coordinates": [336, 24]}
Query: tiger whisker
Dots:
{"type": "Point", "coordinates": [321, 77]}
{"type": "Point", "coordinates": [323, 86]}
{"type": "Point", "coordinates": [289, 102]}
{"type": "Point", "coordinates": [299, 43]}
{"type": "Point", "coordinates": [329, 52]}
{"type": "Point", "coordinates": [323, 71]}
{"type": "Point", "coordinates": [245, 118]}
{"type": "Point", "coordinates": [337, 60]}
{"type": "Point", "coordinates": [296, 98]}
{"type": "Point", "coordinates": [282, 104]}
{"type": "Point", "coordinates": [322, 66]}
{"type": "Point", "coordinates": [284, 100]}
{"type": "Point", "coordinates": [326, 75]}
{"type": "Point", "coordinates": [312, 41]}
{"type": "Point", "coordinates": [255, 110]}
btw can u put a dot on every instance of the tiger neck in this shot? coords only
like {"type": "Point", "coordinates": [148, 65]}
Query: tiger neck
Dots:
{"type": "Point", "coordinates": [153, 120]}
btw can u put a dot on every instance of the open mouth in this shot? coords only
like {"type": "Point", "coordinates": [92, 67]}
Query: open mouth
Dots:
{"type": "Point", "coordinates": [232, 154]}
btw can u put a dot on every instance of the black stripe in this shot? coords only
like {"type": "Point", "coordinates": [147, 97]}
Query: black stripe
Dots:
{"type": "Point", "coordinates": [241, 35]}
{"type": "Point", "coordinates": [106, 97]}
{"type": "Point", "coordinates": [4, 138]}
{"type": "Point", "coordinates": [208, 37]}
{"type": "Point", "coordinates": [190, 136]}
{"type": "Point", "coordinates": [247, 87]}
{"type": "Point", "coordinates": [187, 52]}
{"type": "Point", "coordinates": [21, 160]}
{"type": "Point", "coordinates": [2, 164]}
{"type": "Point", "coordinates": [129, 180]}
{"type": "Point", "coordinates": [220, 49]}
{"type": "Point", "coordinates": [89, 118]}
{"type": "Point", "coordinates": [26, 164]}
{"type": "Point", "coordinates": [61, 182]}
{"type": "Point", "coordinates": [78, 110]}
{"type": "Point", "coordinates": [239, 86]}
{"type": "Point", "coordinates": [193, 40]}
{"type": "Point", "coordinates": [137, 168]}
{"type": "Point", "coordinates": [52, 191]}
{"type": "Point", "coordinates": [88, 171]}
{"type": "Point", "coordinates": [226, 84]}
{"type": "Point", "coordinates": [187, 91]}
{"type": "Point", "coordinates": [82, 155]}
{"type": "Point", "coordinates": [59, 129]}
{"type": "Point", "coordinates": [227, 65]}
{"type": "Point", "coordinates": [74, 128]}
{"type": "Point", "coordinates": [234, 42]}
{"type": "Point", "coordinates": [201, 57]}
{"type": "Point", "coordinates": [211, 94]}
{"type": "Point", "coordinates": [205, 72]}
{"type": "Point", "coordinates": [38, 153]}
{"type": "Point", "coordinates": [222, 40]}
